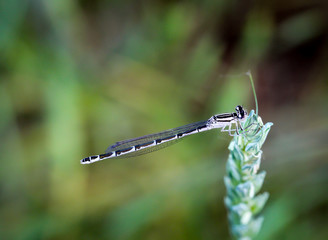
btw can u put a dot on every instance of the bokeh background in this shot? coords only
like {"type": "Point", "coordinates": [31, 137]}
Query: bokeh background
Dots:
{"type": "Point", "coordinates": [77, 76]}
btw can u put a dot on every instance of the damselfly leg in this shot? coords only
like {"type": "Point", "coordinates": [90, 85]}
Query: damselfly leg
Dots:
{"type": "Point", "coordinates": [230, 130]}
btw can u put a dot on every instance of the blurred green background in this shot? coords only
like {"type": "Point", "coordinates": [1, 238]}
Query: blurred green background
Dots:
{"type": "Point", "coordinates": [77, 76]}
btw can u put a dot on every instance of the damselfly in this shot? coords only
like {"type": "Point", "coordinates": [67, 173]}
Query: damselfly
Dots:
{"type": "Point", "coordinates": [153, 142]}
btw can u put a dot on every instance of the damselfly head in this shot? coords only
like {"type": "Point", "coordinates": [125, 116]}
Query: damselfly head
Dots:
{"type": "Point", "coordinates": [241, 112]}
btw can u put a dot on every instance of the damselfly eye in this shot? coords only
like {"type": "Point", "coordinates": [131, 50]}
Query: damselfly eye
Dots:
{"type": "Point", "coordinates": [240, 112]}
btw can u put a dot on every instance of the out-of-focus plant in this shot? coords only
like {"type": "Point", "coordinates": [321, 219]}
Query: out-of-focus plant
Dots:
{"type": "Point", "coordinates": [242, 180]}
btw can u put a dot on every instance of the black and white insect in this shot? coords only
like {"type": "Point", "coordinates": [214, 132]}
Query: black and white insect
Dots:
{"type": "Point", "coordinates": [149, 143]}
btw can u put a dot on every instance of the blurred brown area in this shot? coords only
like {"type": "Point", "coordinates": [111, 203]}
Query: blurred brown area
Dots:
{"type": "Point", "coordinates": [77, 76]}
